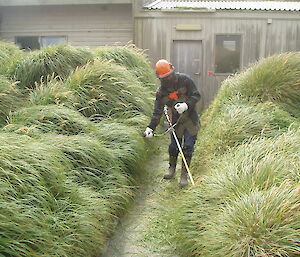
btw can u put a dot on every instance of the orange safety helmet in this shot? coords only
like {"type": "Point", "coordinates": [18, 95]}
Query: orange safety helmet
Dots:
{"type": "Point", "coordinates": [164, 68]}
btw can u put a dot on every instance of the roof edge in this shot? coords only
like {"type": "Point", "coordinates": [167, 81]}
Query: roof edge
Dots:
{"type": "Point", "coordinates": [200, 6]}
{"type": "Point", "coordinates": [60, 2]}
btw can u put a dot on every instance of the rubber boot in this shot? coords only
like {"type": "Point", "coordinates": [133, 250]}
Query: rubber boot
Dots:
{"type": "Point", "coordinates": [184, 174]}
{"type": "Point", "coordinates": [172, 167]}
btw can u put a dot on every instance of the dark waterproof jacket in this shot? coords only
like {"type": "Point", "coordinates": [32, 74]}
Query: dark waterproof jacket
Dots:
{"type": "Point", "coordinates": [182, 90]}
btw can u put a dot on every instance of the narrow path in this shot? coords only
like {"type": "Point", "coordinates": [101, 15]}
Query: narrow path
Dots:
{"type": "Point", "coordinates": [142, 231]}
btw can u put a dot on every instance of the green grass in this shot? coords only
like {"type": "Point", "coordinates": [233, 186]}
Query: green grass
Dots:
{"type": "Point", "coordinates": [53, 118]}
{"type": "Point", "coordinates": [263, 223]}
{"type": "Point", "coordinates": [106, 90]}
{"type": "Point", "coordinates": [10, 98]}
{"type": "Point", "coordinates": [247, 201]}
{"type": "Point", "coordinates": [274, 79]}
{"type": "Point", "coordinates": [59, 196]}
{"type": "Point", "coordinates": [51, 91]}
{"type": "Point", "coordinates": [134, 59]}
{"type": "Point", "coordinates": [235, 124]}
{"type": "Point", "coordinates": [57, 60]}
{"type": "Point", "coordinates": [9, 55]}
{"type": "Point", "coordinates": [126, 141]}
{"type": "Point", "coordinates": [64, 179]}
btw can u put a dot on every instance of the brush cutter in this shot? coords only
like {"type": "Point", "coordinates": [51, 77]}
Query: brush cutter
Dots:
{"type": "Point", "coordinates": [171, 128]}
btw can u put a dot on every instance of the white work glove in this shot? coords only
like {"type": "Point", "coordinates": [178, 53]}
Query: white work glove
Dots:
{"type": "Point", "coordinates": [181, 107]}
{"type": "Point", "coordinates": [148, 132]}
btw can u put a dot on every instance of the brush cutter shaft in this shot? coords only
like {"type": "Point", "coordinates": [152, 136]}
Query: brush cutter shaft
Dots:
{"type": "Point", "coordinates": [178, 144]}
{"type": "Point", "coordinates": [166, 132]}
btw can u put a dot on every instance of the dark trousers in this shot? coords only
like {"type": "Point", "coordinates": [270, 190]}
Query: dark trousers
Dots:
{"type": "Point", "coordinates": [188, 144]}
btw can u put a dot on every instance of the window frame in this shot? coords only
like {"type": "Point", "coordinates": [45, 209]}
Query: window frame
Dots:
{"type": "Point", "coordinates": [215, 52]}
{"type": "Point", "coordinates": [39, 37]}
{"type": "Point", "coordinates": [27, 36]}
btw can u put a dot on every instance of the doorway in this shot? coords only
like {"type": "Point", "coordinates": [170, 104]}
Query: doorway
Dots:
{"type": "Point", "coordinates": [187, 58]}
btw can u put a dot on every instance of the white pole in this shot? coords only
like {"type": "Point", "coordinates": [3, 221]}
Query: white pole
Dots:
{"type": "Point", "coordinates": [179, 146]}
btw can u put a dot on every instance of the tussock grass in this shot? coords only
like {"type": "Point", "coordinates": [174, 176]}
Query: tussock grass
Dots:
{"type": "Point", "coordinates": [263, 223]}
{"type": "Point", "coordinates": [94, 163]}
{"type": "Point", "coordinates": [235, 124]}
{"type": "Point", "coordinates": [39, 119]}
{"type": "Point", "coordinates": [250, 183]}
{"type": "Point", "coordinates": [59, 197]}
{"type": "Point", "coordinates": [248, 201]}
{"type": "Point", "coordinates": [49, 91]}
{"type": "Point", "coordinates": [126, 142]}
{"type": "Point", "coordinates": [134, 59]}
{"type": "Point", "coordinates": [9, 55]}
{"type": "Point", "coordinates": [106, 90]}
{"type": "Point", "coordinates": [58, 60]}
{"type": "Point", "coordinates": [98, 167]}
{"type": "Point", "coordinates": [275, 79]}
{"type": "Point", "coordinates": [10, 98]}
{"type": "Point", "coordinates": [64, 179]}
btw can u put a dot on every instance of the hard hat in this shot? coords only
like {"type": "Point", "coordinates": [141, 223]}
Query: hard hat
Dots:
{"type": "Point", "coordinates": [164, 68]}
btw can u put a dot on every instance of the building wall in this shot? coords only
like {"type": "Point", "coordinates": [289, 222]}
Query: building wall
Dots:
{"type": "Point", "coordinates": [156, 32]}
{"type": "Point", "coordinates": [84, 25]}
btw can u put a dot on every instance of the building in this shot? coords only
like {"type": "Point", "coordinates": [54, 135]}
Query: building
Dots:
{"type": "Point", "coordinates": [207, 40]}
{"type": "Point", "coordinates": [37, 23]}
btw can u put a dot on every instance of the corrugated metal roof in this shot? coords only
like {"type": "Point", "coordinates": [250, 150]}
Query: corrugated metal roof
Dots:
{"type": "Point", "coordinates": [224, 5]}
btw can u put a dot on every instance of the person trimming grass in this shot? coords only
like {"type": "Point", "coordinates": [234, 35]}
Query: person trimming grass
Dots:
{"type": "Point", "coordinates": [180, 94]}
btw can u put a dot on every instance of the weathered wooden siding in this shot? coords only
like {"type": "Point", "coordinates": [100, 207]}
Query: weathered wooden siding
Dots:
{"type": "Point", "coordinates": [84, 25]}
{"type": "Point", "coordinates": [156, 32]}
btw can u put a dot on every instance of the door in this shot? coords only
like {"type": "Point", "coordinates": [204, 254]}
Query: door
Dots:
{"type": "Point", "coordinates": [187, 58]}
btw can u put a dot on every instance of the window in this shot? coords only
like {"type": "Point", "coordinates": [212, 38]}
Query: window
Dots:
{"type": "Point", "coordinates": [228, 50]}
{"type": "Point", "coordinates": [47, 41]}
{"type": "Point", "coordinates": [28, 43]}
{"type": "Point", "coordinates": [37, 42]}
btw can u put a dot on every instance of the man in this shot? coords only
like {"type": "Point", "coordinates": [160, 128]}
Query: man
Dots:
{"type": "Point", "coordinates": [180, 94]}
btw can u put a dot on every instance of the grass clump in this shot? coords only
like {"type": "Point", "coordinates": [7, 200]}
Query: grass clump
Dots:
{"type": "Point", "coordinates": [106, 90]}
{"type": "Point", "coordinates": [274, 79]}
{"type": "Point", "coordinates": [247, 173]}
{"type": "Point", "coordinates": [263, 223]}
{"type": "Point", "coordinates": [57, 60]}
{"type": "Point", "coordinates": [10, 98]}
{"type": "Point", "coordinates": [49, 91]}
{"type": "Point", "coordinates": [247, 204]}
{"type": "Point", "coordinates": [9, 55]}
{"type": "Point", "coordinates": [39, 119]}
{"type": "Point", "coordinates": [59, 197]}
{"type": "Point", "coordinates": [65, 179]}
{"type": "Point", "coordinates": [126, 142]}
{"type": "Point", "coordinates": [237, 123]}
{"type": "Point", "coordinates": [95, 165]}
{"type": "Point", "coordinates": [134, 59]}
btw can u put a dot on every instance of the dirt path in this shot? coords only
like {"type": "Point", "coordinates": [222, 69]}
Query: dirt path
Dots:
{"type": "Point", "coordinates": [142, 232]}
